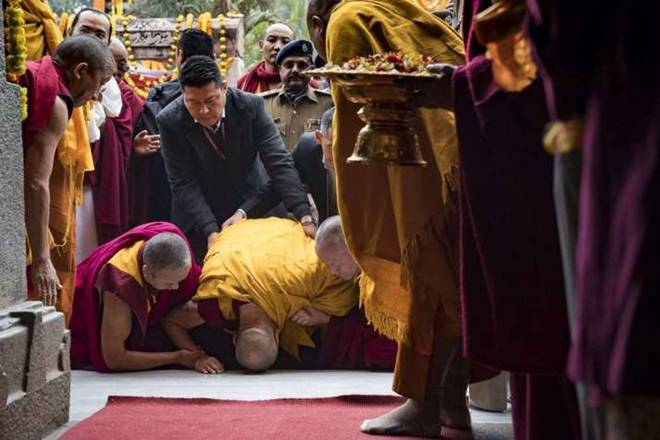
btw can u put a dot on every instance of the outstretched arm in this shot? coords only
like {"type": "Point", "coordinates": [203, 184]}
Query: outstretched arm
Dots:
{"type": "Point", "coordinates": [39, 158]}
{"type": "Point", "coordinates": [177, 324]}
{"type": "Point", "coordinates": [115, 328]}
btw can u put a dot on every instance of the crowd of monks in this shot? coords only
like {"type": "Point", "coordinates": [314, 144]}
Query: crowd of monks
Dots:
{"type": "Point", "coordinates": [214, 227]}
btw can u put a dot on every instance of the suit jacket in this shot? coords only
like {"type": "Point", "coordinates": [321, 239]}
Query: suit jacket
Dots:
{"type": "Point", "coordinates": [206, 189]}
{"type": "Point", "coordinates": [308, 160]}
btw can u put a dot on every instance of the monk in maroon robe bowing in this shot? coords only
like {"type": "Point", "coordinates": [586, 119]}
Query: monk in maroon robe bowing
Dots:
{"type": "Point", "coordinates": [73, 76]}
{"type": "Point", "coordinates": [124, 289]}
{"type": "Point", "coordinates": [265, 75]}
{"type": "Point", "coordinates": [112, 153]}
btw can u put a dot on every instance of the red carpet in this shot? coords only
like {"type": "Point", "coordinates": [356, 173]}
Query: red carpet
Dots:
{"type": "Point", "coordinates": [142, 418]}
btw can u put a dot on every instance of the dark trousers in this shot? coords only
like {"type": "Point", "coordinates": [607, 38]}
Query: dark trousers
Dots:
{"type": "Point", "coordinates": [567, 174]}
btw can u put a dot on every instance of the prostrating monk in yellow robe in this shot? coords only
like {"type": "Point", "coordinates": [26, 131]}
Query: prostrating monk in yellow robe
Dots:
{"type": "Point", "coordinates": [73, 158]}
{"type": "Point", "coordinates": [266, 274]}
{"type": "Point", "coordinates": [401, 222]}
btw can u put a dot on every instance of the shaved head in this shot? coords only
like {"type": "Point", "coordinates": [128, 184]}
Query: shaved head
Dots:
{"type": "Point", "coordinates": [88, 65]}
{"type": "Point", "coordinates": [117, 48]}
{"type": "Point", "coordinates": [166, 251]}
{"type": "Point", "coordinates": [120, 54]}
{"type": "Point", "coordinates": [318, 15]}
{"type": "Point", "coordinates": [84, 49]}
{"type": "Point", "coordinates": [321, 8]}
{"type": "Point", "coordinates": [275, 37]}
{"type": "Point", "coordinates": [256, 349]}
{"type": "Point", "coordinates": [278, 28]}
{"type": "Point", "coordinates": [332, 250]}
{"type": "Point", "coordinates": [166, 261]}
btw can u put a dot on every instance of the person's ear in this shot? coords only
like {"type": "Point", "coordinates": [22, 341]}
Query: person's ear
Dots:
{"type": "Point", "coordinates": [261, 44]}
{"type": "Point", "coordinates": [318, 136]}
{"type": "Point", "coordinates": [317, 24]}
{"type": "Point", "coordinates": [79, 69]}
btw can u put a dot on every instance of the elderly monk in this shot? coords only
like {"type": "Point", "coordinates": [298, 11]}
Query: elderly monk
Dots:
{"type": "Point", "coordinates": [266, 275]}
{"type": "Point", "coordinates": [265, 75]}
{"type": "Point", "coordinates": [401, 223]}
{"type": "Point", "coordinates": [124, 289]}
{"type": "Point", "coordinates": [73, 76]}
{"type": "Point", "coordinates": [112, 153]}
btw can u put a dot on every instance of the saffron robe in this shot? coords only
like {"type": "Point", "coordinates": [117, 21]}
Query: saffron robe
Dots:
{"type": "Point", "coordinates": [109, 180]}
{"type": "Point", "coordinates": [258, 80]}
{"type": "Point", "coordinates": [116, 267]}
{"type": "Point", "coordinates": [400, 222]}
{"type": "Point", "coordinates": [273, 264]}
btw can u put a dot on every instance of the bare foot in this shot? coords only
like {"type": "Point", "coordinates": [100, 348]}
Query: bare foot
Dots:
{"type": "Point", "coordinates": [310, 317]}
{"type": "Point", "coordinates": [413, 418]}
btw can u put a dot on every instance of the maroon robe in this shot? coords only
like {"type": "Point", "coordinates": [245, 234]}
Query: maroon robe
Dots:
{"type": "Point", "coordinates": [258, 79]}
{"type": "Point", "coordinates": [44, 81]}
{"type": "Point", "coordinates": [600, 60]}
{"type": "Point", "coordinates": [147, 333]}
{"type": "Point", "coordinates": [514, 308]}
{"type": "Point", "coordinates": [109, 180]}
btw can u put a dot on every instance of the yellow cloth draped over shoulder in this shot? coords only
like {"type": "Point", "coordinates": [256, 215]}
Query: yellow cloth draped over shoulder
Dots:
{"type": "Point", "coordinates": [400, 222]}
{"type": "Point", "coordinates": [74, 158]}
{"type": "Point", "coordinates": [272, 263]}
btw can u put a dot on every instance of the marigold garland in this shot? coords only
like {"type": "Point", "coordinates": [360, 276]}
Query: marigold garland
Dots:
{"type": "Point", "coordinates": [204, 23]}
{"type": "Point", "coordinates": [16, 47]}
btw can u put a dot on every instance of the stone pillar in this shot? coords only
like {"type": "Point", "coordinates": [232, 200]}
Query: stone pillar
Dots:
{"type": "Point", "coordinates": [34, 344]}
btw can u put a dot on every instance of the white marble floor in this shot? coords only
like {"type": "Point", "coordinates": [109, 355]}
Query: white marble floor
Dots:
{"type": "Point", "coordinates": [89, 391]}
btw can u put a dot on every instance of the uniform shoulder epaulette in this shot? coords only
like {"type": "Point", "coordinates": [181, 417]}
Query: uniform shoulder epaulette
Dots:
{"type": "Point", "coordinates": [269, 93]}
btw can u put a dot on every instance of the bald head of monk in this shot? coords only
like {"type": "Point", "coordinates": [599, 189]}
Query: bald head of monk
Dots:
{"type": "Point", "coordinates": [166, 261]}
{"type": "Point", "coordinates": [275, 36]}
{"type": "Point", "coordinates": [318, 15]}
{"type": "Point", "coordinates": [120, 54]}
{"type": "Point", "coordinates": [331, 249]}
{"type": "Point", "coordinates": [88, 64]}
{"type": "Point", "coordinates": [256, 344]}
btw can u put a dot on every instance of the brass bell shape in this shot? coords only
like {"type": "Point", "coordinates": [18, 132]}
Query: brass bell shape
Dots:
{"type": "Point", "coordinates": [388, 138]}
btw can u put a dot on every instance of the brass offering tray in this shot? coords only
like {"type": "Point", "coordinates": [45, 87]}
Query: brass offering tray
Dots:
{"type": "Point", "coordinates": [389, 137]}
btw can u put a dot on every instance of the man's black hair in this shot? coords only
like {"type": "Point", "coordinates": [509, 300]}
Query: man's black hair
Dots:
{"type": "Point", "coordinates": [198, 71]}
{"type": "Point", "coordinates": [94, 11]}
{"type": "Point", "coordinates": [195, 42]}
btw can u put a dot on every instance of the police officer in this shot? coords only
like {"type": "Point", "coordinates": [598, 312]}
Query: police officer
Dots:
{"type": "Point", "coordinates": [296, 107]}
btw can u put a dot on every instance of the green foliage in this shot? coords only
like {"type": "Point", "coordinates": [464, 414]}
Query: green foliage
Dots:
{"type": "Point", "coordinates": [68, 6]}
{"type": "Point", "coordinates": [258, 14]}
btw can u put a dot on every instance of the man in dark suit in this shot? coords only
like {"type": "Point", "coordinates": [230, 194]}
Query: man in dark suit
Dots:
{"type": "Point", "coordinates": [151, 198]}
{"type": "Point", "coordinates": [216, 143]}
{"type": "Point", "coordinates": [313, 159]}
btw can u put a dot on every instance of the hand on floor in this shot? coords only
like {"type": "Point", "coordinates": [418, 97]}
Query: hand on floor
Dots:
{"type": "Point", "coordinates": [310, 317]}
{"type": "Point", "coordinates": [209, 365]}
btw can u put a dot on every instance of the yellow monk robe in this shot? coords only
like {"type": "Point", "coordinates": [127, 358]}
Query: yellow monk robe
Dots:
{"type": "Point", "coordinates": [400, 222]}
{"type": "Point", "coordinates": [74, 158]}
{"type": "Point", "coordinates": [272, 263]}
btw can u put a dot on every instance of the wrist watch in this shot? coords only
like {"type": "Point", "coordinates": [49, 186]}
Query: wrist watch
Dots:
{"type": "Point", "coordinates": [306, 219]}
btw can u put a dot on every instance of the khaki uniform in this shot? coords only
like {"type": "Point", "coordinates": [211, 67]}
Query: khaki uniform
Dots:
{"type": "Point", "coordinates": [292, 121]}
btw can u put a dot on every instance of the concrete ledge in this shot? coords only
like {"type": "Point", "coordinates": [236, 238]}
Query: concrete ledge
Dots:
{"type": "Point", "coordinates": [35, 375]}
